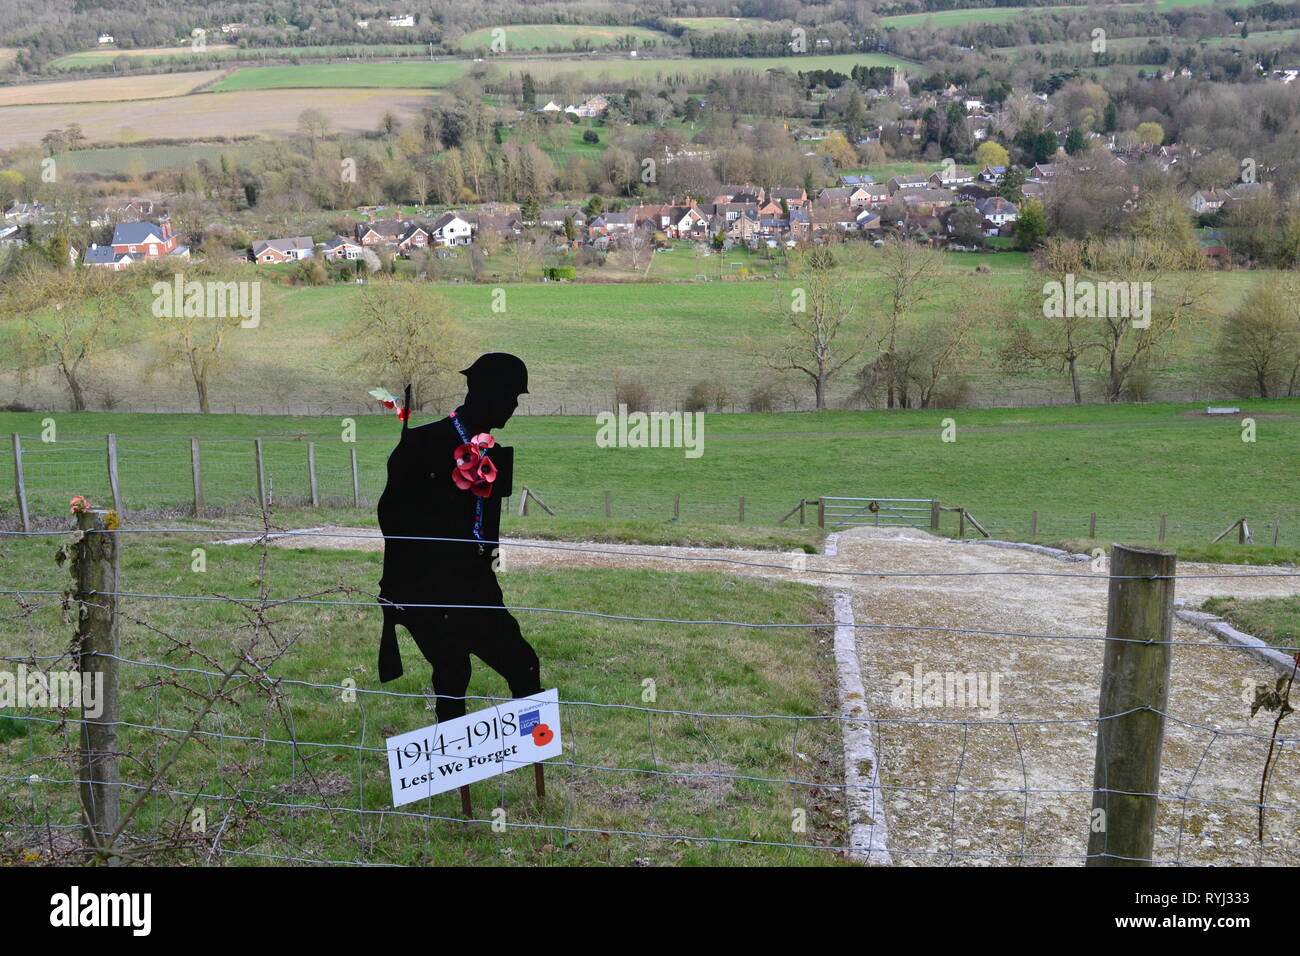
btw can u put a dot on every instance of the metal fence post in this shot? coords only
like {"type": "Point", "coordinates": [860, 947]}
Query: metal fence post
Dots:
{"type": "Point", "coordinates": [95, 571]}
{"type": "Point", "coordinates": [1134, 684]}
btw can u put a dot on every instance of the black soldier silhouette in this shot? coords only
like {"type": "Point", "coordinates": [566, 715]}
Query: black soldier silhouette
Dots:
{"type": "Point", "coordinates": [446, 480]}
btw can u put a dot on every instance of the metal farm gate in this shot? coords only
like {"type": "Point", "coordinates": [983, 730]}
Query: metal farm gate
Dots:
{"type": "Point", "coordinates": [874, 512]}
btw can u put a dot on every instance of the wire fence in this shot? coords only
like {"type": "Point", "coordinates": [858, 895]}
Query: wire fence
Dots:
{"type": "Point", "coordinates": [156, 476]}
{"type": "Point", "coordinates": [233, 749]}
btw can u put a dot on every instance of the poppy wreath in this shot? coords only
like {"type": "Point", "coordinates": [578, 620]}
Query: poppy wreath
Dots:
{"type": "Point", "coordinates": [542, 735]}
{"type": "Point", "coordinates": [474, 470]}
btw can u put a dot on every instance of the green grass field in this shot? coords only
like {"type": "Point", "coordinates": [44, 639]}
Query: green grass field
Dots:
{"type": "Point", "coordinates": [714, 24]}
{"type": "Point", "coordinates": [444, 72]}
{"type": "Point", "coordinates": [302, 795]}
{"type": "Point", "coordinates": [1274, 621]}
{"type": "Point", "coordinates": [1128, 463]}
{"type": "Point", "coordinates": [962, 17]}
{"type": "Point", "coordinates": [142, 159]}
{"type": "Point", "coordinates": [667, 335]}
{"type": "Point", "coordinates": [549, 35]}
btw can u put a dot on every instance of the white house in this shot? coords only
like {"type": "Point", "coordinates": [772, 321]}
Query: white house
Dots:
{"type": "Point", "coordinates": [451, 230]}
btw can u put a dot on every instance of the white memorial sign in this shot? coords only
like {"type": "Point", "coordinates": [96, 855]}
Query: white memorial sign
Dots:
{"type": "Point", "coordinates": [488, 742]}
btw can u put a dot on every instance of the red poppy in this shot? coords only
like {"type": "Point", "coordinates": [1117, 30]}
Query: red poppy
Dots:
{"type": "Point", "coordinates": [543, 735]}
{"type": "Point", "coordinates": [474, 471]}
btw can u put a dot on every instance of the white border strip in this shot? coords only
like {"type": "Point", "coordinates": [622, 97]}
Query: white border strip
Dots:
{"type": "Point", "coordinates": [868, 832]}
{"type": "Point", "coordinates": [1224, 631]}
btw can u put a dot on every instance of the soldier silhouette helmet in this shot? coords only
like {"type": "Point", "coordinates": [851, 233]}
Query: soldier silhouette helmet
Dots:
{"type": "Point", "coordinates": [498, 372]}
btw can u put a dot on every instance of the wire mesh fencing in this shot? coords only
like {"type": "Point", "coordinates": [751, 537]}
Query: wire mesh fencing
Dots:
{"type": "Point", "coordinates": [237, 740]}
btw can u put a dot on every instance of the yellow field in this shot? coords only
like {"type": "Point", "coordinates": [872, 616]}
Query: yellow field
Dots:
{"type": "Point", "coordinates": [108, 90]}
{"type": "Point", "coordinates": [209, 114]}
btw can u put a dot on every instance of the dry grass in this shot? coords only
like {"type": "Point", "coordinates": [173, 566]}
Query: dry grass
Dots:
{"type": "Point", "coordinates": [209, 114]}
{"type": "Point", "coordinates": [108, 90]}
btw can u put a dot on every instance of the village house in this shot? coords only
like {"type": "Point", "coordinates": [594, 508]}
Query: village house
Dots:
{"type": "Point", "coordinates": [795, 198]}
{"type": "Point", "coordinates": [993, 175]}
{"type": "Point", "coordinates": [1206, 201]}
{"type": "Point", "coordinates": [116, 209]}
{"type": "Point", "coordinates": [405, 234]}
{"type": "Point", "coordinates": [269, 251]}
{"type": "Point", "coordinates": [341, 247]}
{"type": "Point", "coordinates": [553, 217]}
{"type": "Point", "coordinates": [950, 177]}
{"type": "Point", "coordinates": [907, 182]}
{"type": "Point", "coordinates": [997, 212]}
{"type": "Point", "coordinates": [451, 230]}
{"type": "Point", "coordinates": [613, 224]}
{"type": "Point", "coordinates": [142, 241]}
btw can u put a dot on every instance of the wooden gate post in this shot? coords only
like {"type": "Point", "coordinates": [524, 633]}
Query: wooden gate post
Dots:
{"type": "Point", "coordinates": [742, 509]}
{"type": "Point", "coordinates": [1162, 526]}
{"type": "Point", "coordinates": [113, 483]}
{"type": "Point", "coordinates": [821, 512]}
{"type": "Point", "coordinates": [609, 510]}
{"type": "Point", "coordinates": [1135, 677]}
{"type": "Point", "coordinates": [961, 527]}
{"type": "Point", "coordinates": [677, 506]}
{"type": "Point", "coordinates": [96, 646]}
{"type": "Point", "coordinates": [934, 516]}
{"type": "Point", "coordinates": [1033, 524]}
{"type": "Point", "coordinates": [311, 473]}
{"type": "Point", "coordinates": [1092, 525]}
{"type": "Point", "coordinates": [356, 481]}
{"type": "Point", "coordinates": [20, 485]}
{"type": "Point", "coordinates": [261, 473]}
{"type": "Point", "coordinates": [196, 470]}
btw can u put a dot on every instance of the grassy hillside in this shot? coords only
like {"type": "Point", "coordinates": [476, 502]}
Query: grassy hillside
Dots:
{"type": "Point", "coordinates": [443, 72]}
{"type": "Point", "coordinates": [1128, 463]}
{"type": "Point", "coordinates": [582, 336]}
{"type": "Point", "coordinates": [548, 35]}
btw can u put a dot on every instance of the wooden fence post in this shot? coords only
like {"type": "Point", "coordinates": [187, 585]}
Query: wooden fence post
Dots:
{"type": "Point", "coordinates": [20, 485]}
{"type": "Point", "coordinates": [113, 483]}
{"type": "Point", "coordinates": [1033, 524]}
{"type": "Point", "coordinates": [821, 512]}
{"type": "Point", "coordinates": [95, 570]}
{"type": "Point", "coordinates": [609, 511]}
{"type": "Point", "coordinates": [311, 473]}
{"type": "Point", "coordinates": [1277, 524]}
{"type": "Point", "coordinates": [523, 502]}
{"type": "Point", "coordinates": [802, 504]}
{"type": "Point", "coordinates": [677, 506]}
{"type": "Point", "coordinates": [1162, 526]}
{"type": "Point", "coordinates": [934, 516]}
{"type": "Point", "coordinates": [196, 469]}
{"type": "Point", "coordinates": [1135, 677]}
{"type": "Point", "coordinates": [961, 527]}
{"type": "Point", "coordinates": [1092, 525]}
{"type": "Point", "coordinates": [742, 509]}
{"type": "Point", "coordinates": [261, 473]}
{"type": "Point", "coordinates": [356, 481]}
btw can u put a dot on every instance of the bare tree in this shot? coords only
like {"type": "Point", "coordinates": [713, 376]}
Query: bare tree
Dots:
{"type": "Point", "coordinates": [821, 324]}
{"type": "Point", "coordinates": [1258, 349]}
{"type": "Point", "coordinates": [404, 333]}
{"type": "Point", "coordinates": [1057, 343]}
{"type": "Point", "coordinates": [910, 273]}
{"type": "Point", "coordinates": [196, 337]}
{"type": "Point", "coordinates": [68, 317]}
